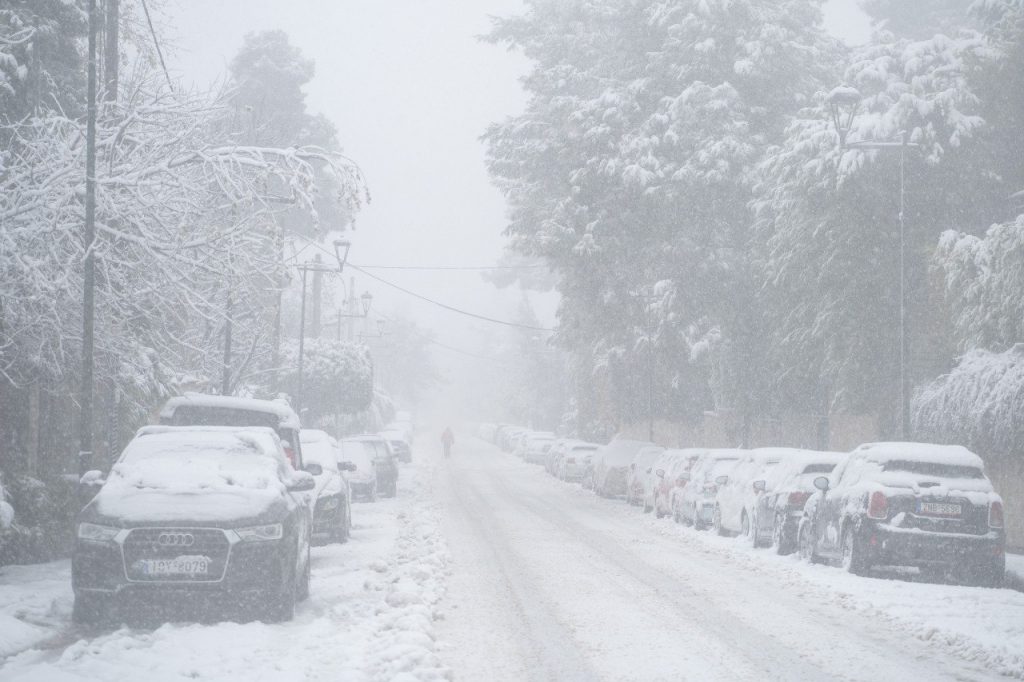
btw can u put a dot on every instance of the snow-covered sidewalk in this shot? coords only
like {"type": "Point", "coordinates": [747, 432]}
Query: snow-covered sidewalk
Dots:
{"type": "Point", "coordinates": [370, 615]}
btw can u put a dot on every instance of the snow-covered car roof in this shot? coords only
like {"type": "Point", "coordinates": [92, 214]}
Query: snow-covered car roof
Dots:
{"type": "Point", "coordinates": [793, 465]}
{"type": "Point", "coordinates": [314, 436]}
{"type": "Point", "coordinates": [955, 455]}
{"type": "Point", "coordinates": [621, 452]}
{"type": "Point", "coordinates": [394, 434]}
{"type": "Point", "coordinates": [263, 437]}
{"type": "Point", "coordinates": [279, 408]}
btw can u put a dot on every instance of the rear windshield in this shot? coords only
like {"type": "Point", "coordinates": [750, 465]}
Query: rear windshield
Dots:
{"type": "Point", "coordinates": [819, 468]}
{"type": "Point", "coordinates": [194, 415]}
{"type": "Point", "coordinates": [934, 469]}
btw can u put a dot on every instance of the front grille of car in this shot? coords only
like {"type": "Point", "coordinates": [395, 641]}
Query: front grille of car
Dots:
{"type": "Point", "coordinates": [148, 544]}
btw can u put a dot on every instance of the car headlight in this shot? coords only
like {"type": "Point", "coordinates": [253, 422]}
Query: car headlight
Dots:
{"type": "Point", "coordinates": [92, 532]}
{"type": "Point", "coordinates": [273, 531]}
{"type": "Point", "coordinates": [328, 504]}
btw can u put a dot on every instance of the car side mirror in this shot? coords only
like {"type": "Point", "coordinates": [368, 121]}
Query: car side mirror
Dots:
{"type": "Point", "coordinates": [346, 466]}
{"type": "Point", "coordinates": [759, 486]}
{"type": "Point", "coordinates": [821, 483]}
{"type": "Point", "coordinates": [721, 480]}
{"type": "Point", "coordinates": [660, 473]}
{"type": "Point", "coordinates": [92, 479]}
{"type": "Point", "coordinates": [313, 469]}
{"type": "Point", "coordinates": [301, 482]}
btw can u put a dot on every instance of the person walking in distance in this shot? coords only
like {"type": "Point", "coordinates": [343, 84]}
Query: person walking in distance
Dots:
{"type": "Point", "coordinates": [448, 440]}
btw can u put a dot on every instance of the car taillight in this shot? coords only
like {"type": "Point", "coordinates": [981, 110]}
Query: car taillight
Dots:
{"type": "Point", "coordinates": [290, 454]}
{"type": "Point", "coordinates": [995, 515]}
{"type": "Point", "coordinates": [878, 506]}
{"type": "Point", "coordinates": [798, 499]}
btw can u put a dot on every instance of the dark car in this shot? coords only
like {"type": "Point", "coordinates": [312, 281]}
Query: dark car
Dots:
{"type": "Point", "coordinates": [199, 409]}
{"type": "Point", "coordinates": [399, 445]}
{"type": "Point", "coordinates": [908, 504]}
{"type": "Point", "coordinates": [384, 462]}
{"type": "Point", "coordinates": [210, 514]}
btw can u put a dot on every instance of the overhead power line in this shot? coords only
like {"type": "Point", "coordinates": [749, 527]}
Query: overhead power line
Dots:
{"type": "Point", "coordinates": [156, 44]}
{"type": "Point", "coordinates": [448, 307]}
{"type": "Point", "coordinates": [432, 301]}
{"type": "Point", "coordinates": [450, 267]}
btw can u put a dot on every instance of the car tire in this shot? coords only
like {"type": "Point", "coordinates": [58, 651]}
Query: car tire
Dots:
{"type": "Point", "coordinates": [647, 507]}
{"type": "Point", "coordinates": [341, 533]}
{"type": "Point", "coordinates": [302, 590]}
{"type": "Point", "coordinates": [853, 559]}
{"type": "Point", "coordinates": [658, 514]}
{"type": "Point", "coordinates": [92, 609]}
{"type": "Point", "coordinates": [716, 521]}
{"type": "Point", "coordinates": [780, 543]}
{"type": "Point", "coordinates": [373, 493]}
{"type": "Point", "coordinates": [745, 528]}
{"type": "Point", "coordinates": [805, 544]}
{"type": "Point", "coordinates": [698, 523]}
{"type": "Point", "coordinates": [280, 606]}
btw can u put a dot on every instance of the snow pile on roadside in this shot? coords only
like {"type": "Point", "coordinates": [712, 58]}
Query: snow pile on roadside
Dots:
{"type": "Point", "coordinates": [35, 603]}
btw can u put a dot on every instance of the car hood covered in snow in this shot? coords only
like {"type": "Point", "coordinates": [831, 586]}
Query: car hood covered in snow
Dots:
{"type": "Point", "coordinates": [195, 488]}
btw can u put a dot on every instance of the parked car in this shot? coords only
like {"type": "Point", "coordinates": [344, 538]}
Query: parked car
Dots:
{"type": "Point", "coordinates": [671, 472]}
{"type": "Point", "coordinates": [401, 447]}
{"type": "Point", "coordinates": [202, 511]}
{"type": "Point", "coordinates": [575, 463]}
{"type": "Point", "coordinates": [786, 489]}
{"type": "Point", "coordinates": [737, 493]}
{"type": "Point", "coordinates": [384, 462]}
{"type": "Point", "coordinates": [198, 409]}
{"type": "Point", "coordinates": [533, 447]}
{"type": "Point", "coordinates": [554, 454]}
{"type": "Point", "coordinates": [694, 504]}
{"type": "Point", "coordinates": [332, 498]}
{"type": "Point", "coordinates": [362, 477]}
{"type": "Point", "coordinates": [908, 504]}
{"type": "Point", "coordinates": [639, 469]}
{"type": "Point", "coordinates": [611, 466]}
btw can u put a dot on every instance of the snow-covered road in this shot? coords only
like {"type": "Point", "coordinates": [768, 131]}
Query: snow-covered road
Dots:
{"type": "Point", "coordinates": [550, 582]}
{"type": "Point", "coordinates": [485, 568]}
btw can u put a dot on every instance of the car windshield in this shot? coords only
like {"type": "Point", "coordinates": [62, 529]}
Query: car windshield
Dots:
{"type": "Point", "coordinates": [939, 470]}
{"type": "Point", "coordinates": [359, 453]}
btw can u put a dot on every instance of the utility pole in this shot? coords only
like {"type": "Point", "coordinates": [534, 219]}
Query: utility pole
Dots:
{"type": "Point", "coordinates": [318, 288]}
{"type": "Point", "coordinates": [225, 383]}
{"type": "Point", "coordinates": [88, 273]}
{"type": "Point", "coordinates": [110, 50]}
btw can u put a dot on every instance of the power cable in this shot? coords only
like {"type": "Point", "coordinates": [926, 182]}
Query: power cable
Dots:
{"type": "Point", "coordinates": [448, 307]}
{"type": "Point", "coordinates": [437, 303]}
{"type": "Point", "coordinates": [449, 267]}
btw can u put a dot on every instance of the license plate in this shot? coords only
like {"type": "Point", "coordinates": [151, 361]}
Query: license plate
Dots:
{"type": "Point", "coordinates": [182, 565]}
{"type": "Point", "coordinates": [940, 509]}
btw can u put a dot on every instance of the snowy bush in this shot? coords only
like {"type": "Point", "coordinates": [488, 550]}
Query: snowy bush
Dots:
{"type": "Point", "coordinates": [337, 376]}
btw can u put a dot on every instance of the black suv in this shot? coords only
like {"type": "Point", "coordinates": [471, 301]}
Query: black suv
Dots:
{"type": "Point", "coordinates": [185, 512]}
{"type": "Point", "coordinates": [908, 504]}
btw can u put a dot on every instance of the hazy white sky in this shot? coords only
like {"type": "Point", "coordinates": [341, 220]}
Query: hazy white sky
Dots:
{"type": "Point", "coordinates": [410, 89]}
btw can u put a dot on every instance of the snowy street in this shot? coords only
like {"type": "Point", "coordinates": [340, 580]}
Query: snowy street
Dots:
{"type": "Point", "coordinates": [486, 568]}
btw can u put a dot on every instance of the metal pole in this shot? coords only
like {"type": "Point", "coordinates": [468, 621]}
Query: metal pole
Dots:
{"type": "Point", "coordinates": [904, 397]}
{"type": "Point", "coordinates": [88, 274]}
{"type": "Point", "coordinates": [225, 385]}
{"type": "Point", "coordinates": [302, 342]}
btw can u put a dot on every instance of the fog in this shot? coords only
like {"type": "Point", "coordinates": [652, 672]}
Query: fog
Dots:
{"type": "Point", "coordinates": [511, 339]}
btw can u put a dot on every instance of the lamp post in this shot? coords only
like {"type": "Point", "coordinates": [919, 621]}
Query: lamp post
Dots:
{"type": "Point", "coordinates": [341, 249]}
{"type": "Point", "coordinates": [843, 103]}
{"type": "Point", "coordinates": [366, 300]}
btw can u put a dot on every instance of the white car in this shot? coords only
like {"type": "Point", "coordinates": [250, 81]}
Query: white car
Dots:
{"type": "Point", "coordinates": [573, 464]}
{"type": "Point", "coordinates": [611, 466]}
{"type": "Point", "coordinates": [695, 504]}
{"type": "Point", "coordinates": [332, 510]}
{"type": "Point", "coordinates": [739, 490]}
{"type": "Point", "coordinates": [639, 469]}
{"type": "Point", "coordinates": [362, 478]}
{"type": "Point", "coordinates": [534, 447]}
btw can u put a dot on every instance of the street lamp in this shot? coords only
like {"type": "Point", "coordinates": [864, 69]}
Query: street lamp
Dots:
{"type": "Point", "coordinates": [843, 102]}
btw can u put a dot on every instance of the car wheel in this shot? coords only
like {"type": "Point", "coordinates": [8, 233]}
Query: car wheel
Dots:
{"type": "Point", "coordinates": [805, 543]}
{"type": "Point", "coordinates": [303, 587]}
{"type": "Point", "coordinates": [647, 507]}
{"type": "Point", "coordinates": [933, 573]}
{"type": "Point", "coordinates": [658, 514]}
{"type": "Point", "coordinates": [373, 493]}
{"type": "Point", "coordinates": [92, 609]}
{"type": "Point", "coordinates": [280, 606]}
{"type": "Point", "coordinates": [698, 523]}
{"type": "Point", "coordinates": [745, 526]}
{"type": "Point", "coordinates": [780, 543]}
{"type": "Point", "coordinates": [344, 524]}
{"type": "Point", "coordinates": [854, 560]}
{"type": "Point", "coordinates": [716, 521]}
